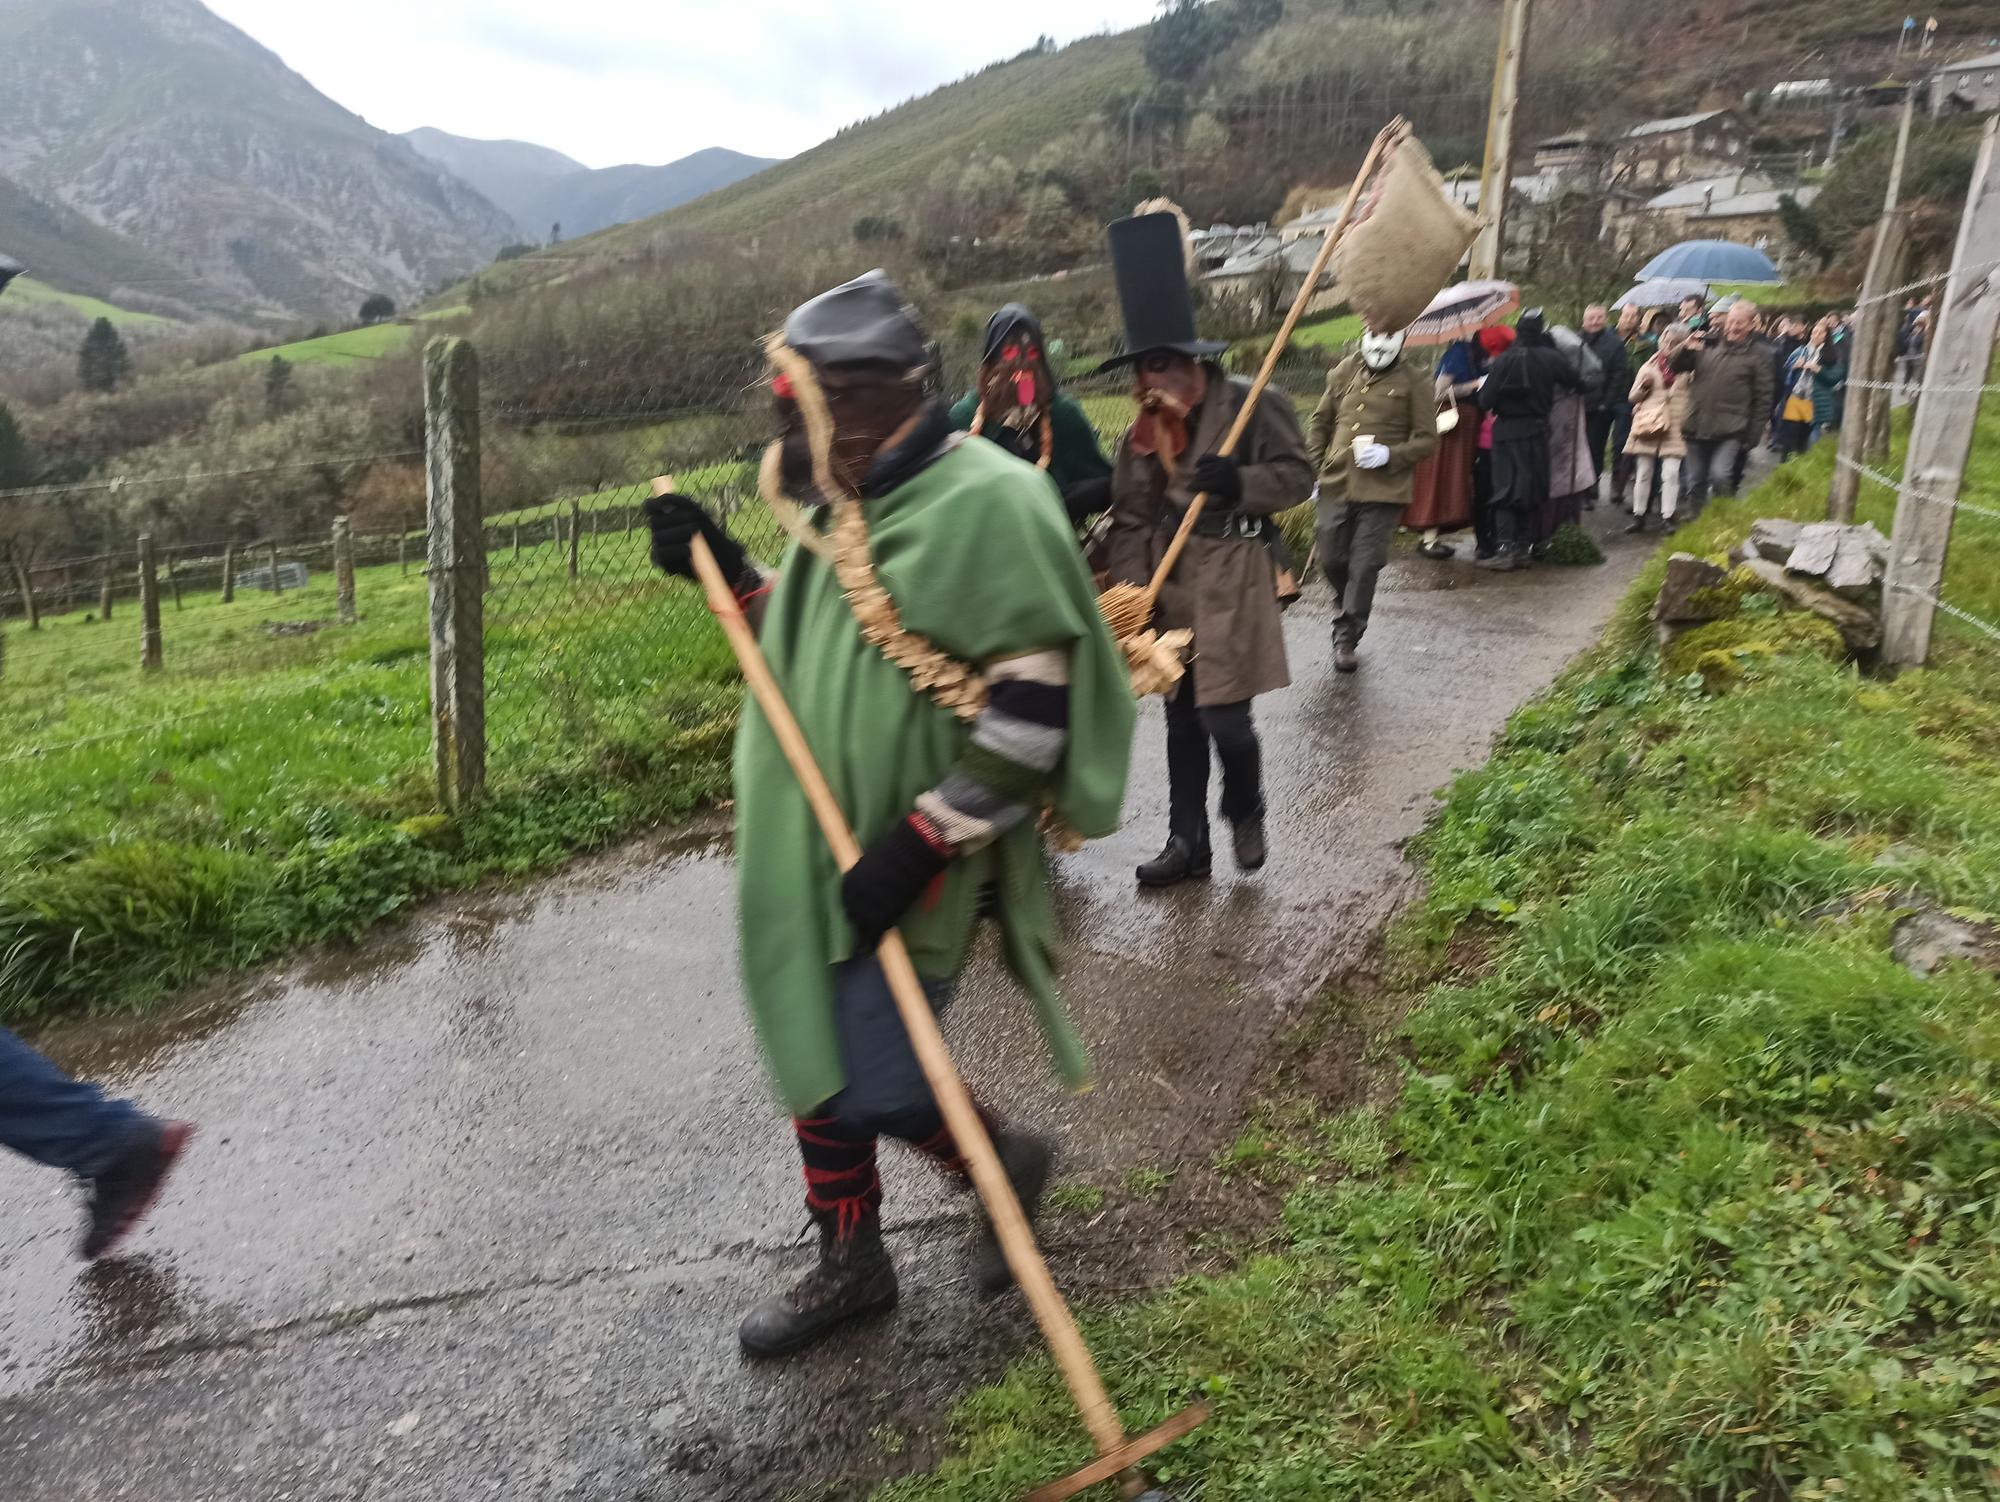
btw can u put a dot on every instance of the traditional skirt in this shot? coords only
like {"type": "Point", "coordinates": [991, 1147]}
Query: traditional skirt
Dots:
{"type": "Point", "coordinates": [1441, 488]}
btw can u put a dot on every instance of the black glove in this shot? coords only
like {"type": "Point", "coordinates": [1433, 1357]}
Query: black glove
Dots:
{"type": "Point", "coordinates": [1086, 498]}
{"type": "Point", "coordinates": [1221, 478]}
{"type": "Point", "coordinates": [890, 876]}
{"type": "Point", "coordinates": [675, 522]}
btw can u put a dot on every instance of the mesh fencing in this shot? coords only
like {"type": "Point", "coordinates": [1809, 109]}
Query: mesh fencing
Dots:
{"type": "Point", "coordinates": [594, 660]}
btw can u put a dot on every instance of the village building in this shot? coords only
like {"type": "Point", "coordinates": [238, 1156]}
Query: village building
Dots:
{"type": "Point", "coordinates": [1972, 86]}
{"type": "Point", "coordinates": [1658, 154]}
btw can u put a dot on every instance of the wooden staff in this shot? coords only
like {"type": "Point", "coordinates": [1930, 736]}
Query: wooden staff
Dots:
{"type": "Point", "coordinates": [1387, 137]}
{"type": "Point", "coordinates": [1010, 1222]}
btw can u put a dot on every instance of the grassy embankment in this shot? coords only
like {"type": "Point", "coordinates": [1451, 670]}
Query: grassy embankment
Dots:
{"type": "Point", "coordinates": [265, 790]}
{"type": "Point", "coordinates": [1690, 1189]}
{"type": "Point", "coordinates": [27, 290]}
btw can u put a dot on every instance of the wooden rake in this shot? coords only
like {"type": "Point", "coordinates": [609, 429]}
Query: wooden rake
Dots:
{"type": "Point", "coordinates": [1117, 1455]}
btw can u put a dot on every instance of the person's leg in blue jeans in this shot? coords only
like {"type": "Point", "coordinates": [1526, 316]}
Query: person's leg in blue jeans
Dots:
{"type": "Point", "coordinates": [117, 1149]}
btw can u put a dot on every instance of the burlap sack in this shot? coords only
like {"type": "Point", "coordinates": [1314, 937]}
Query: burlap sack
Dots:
{"type": "Point", "coordinates": [1403, 252]}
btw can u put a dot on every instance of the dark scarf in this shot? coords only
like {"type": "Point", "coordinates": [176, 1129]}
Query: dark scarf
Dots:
{"type": "Point", "coordinates": [902, 463]}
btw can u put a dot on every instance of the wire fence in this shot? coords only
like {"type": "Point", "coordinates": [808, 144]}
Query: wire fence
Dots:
{"type": "Point", "coordinates": [1981, 550]}
{"type": "Point", "coordinates": [590, 655]}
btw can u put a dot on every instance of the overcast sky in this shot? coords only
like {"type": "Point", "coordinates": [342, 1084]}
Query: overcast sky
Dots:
{"type": "Point", "coordinates": [611, 81]}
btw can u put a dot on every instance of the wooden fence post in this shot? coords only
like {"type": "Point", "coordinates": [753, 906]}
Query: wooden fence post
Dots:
{"type": "Point", "coordinates": [1947, 412]}
{"type": "Point", "coordinates": [403, 553]}
{"type": "Point", "coordinates": [105, 588]}
{"type": "Point", "coordinates": [173, 579]}
{"type": "Point", "coordinates": [517, 539]}
{"type": "Point", "coordinates": [343, 569]}
{"type": "Point", "coordinates": [29, 609]}
{"type": "Point", "coordinates": [271, 559]}
{"type": "Point", "coordinates": [1881, 363]}
{"type": "Point", "coordinates": [457, 542]}
{"type": "Point", "coordinates": [149, 606]}
{"type": "Point", "coordinates": [575, 531]}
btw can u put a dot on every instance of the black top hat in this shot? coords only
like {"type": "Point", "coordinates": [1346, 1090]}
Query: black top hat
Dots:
{"type": "Point", "coordinates": [1149, 261]}
{"type": "Point", "coordinates": [867, 321]}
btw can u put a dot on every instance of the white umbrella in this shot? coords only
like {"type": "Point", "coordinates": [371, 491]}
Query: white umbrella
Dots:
{"type": "Point", "coordinates": [1662, 292]}
{"type": "Point", "coordinates": [1462, 309]}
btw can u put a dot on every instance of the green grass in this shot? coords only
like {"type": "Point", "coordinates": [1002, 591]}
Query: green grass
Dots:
{"type": "Point", "coordinates": [27, 290]}
{"type": "Point", "coordinates": [1690, 1190]}
{"type": "Point", "coordinates": [1329, 333]}
{"type": "Point", "coordinates": [264, 790]}
{"type": "Point", "coordinates": [371, 342]}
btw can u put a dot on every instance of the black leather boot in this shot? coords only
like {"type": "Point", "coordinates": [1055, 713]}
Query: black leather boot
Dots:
{"type": "Point", "coordinates": [1027, 1161]}
{"type": "Point", "coordinates": [1176, 863]}
{"type": "Point", "coordinates": [854, 1278]}
{"type": "Point", "coordinates": [1247, 836]}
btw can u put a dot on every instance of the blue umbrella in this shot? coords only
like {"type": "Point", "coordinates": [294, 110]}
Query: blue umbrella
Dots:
{"type": "Point", "coordinates": [1712, 261]}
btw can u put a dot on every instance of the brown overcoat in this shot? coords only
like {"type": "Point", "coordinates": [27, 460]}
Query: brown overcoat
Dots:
{"type": "Point", "coordinates": [1223, 588]}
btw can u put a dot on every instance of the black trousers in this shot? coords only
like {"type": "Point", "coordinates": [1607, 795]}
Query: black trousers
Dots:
{"type": "Point", "coordinates": [1597, 426]}
{"type": "Point", "coordinates": [1190, 733]}
{"type": "Point", "coordinates": [1485, 535]}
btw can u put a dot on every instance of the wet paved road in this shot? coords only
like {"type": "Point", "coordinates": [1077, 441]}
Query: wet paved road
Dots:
{"type": "Point", "coordinates": [476, 1205]}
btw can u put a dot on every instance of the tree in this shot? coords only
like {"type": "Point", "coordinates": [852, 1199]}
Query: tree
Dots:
{"type": "Point", "coordinates": [277, 387]}
{"type": "Point", "coordinates": [378, 307]}
{"type": "Point", "coordinates": [1182, 39]}
{"type": "Point", "coordinates": [17, 466]}
{"type": "Point", "coordinates": [1257, 16]}
{"type": "Point", "coordinates": [1803, 229]}
{"type": "Point", "coordinates": [873, 227]}
{"type": "Point", "coordinates": [102, 363]}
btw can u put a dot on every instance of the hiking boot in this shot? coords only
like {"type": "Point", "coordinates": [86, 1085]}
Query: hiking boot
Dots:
{"type": "Point", "coordinates": [1175, 864]}
{"type": "Point", "coordinates": [124, 1192]}
{"type": "Point", "coordinates": [1027, 1161]}
{"type": "Point", "coordinates": [1247, 836]}
{"type": "Point", "coordinates": [1345, 659]}
{"type": "Point", "coordinates": [1503, 558]}
{"type": "Point", "coordinates": [1637, 524]}
{"type": "Point", "coordinates": [854, 1278]}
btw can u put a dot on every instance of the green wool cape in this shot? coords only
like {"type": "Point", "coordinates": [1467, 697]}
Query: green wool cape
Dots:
{"type": "Point", "coordinates": [979, 559]}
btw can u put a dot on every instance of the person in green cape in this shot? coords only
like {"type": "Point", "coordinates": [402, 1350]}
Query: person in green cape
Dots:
{"type": "Point", "coordinates": [936, 633]}
{"type": "Point", "coordinates": [1018, 405]}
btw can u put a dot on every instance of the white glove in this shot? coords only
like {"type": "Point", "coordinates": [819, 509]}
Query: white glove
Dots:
{"type": "Point", "coordinates": [1372, 456]}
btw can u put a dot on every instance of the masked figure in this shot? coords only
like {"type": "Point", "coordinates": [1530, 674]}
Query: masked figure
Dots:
{"type": "Point", "coordinates": [1224, 587]}
{"type": "Point", "coordinates": [1376, 423]}
{"type": "Point", "coordinates": [1019, 406]}
{"type": "Point", "coordinates": [936, 633]}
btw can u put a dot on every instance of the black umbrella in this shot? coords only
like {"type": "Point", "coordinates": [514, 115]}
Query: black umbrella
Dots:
{"type": "Point", "coordinates": [9, 269]}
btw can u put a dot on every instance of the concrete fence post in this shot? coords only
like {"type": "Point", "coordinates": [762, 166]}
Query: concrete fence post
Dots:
{"type": "Point", "coordinates": [343, 569]}
{"type": "Point", "coordinates": [149, 606]}
{"type": "Point", "coordinates": [229, 573]}
{"type": "Point", "coordinates": [456, 566]}
{"type": "Point", "coordinates": [30, 611]}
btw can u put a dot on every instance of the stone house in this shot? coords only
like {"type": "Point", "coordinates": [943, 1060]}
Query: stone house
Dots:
{"type": "Point", "coordinates": [1970, 86]}
{"type": "Point", "coordinates": [1657, 154]}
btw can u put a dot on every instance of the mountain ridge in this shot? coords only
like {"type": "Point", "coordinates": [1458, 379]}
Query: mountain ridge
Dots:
{"type": "Point", "coordinates": [540, 187]}
{"type": "Point", "coordinates": [162, 123]}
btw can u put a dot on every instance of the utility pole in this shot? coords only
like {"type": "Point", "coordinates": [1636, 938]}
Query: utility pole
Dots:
{"type": "Point", "coordinates": [1497, 171]}
{"type": "Point", "coordinates": [1947, 412]}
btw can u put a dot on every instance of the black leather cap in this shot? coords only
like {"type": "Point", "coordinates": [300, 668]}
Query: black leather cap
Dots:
{"type": "Point", "coordinates": [867, 321]}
